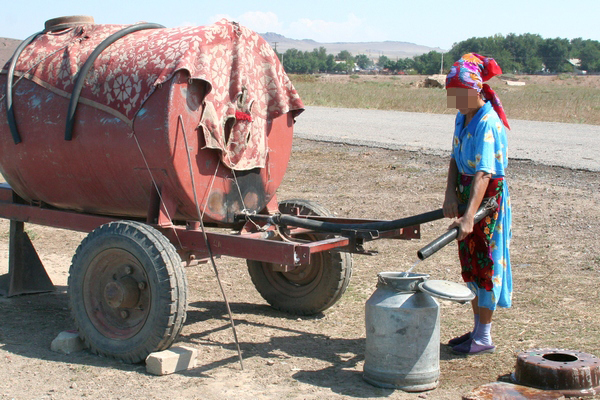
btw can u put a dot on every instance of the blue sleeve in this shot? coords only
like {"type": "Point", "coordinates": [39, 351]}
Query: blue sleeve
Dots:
{"type": "Point", "coordinates": [489, 148]}
{"type": "Point", "coordinates": [455, 141]}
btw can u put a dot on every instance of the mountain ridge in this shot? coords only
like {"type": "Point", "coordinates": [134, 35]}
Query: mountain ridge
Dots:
{"type": "Point", "coordinates": [7, 49]}
{"type": "Point", "coordinates": [390, 48]}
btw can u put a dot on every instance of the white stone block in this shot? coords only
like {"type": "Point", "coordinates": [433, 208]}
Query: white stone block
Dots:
{"type": "Point", "coordinates": [67, 342]}
{"type": "Point", "coordinates": [172, 360]}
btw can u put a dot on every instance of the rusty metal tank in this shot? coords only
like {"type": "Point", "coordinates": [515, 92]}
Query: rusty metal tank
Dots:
{"type": "Point", "coordinates": [219, 88]}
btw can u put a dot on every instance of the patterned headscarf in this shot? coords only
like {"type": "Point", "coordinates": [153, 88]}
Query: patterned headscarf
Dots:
{"type": "Point", "coordinates": [470, 72]}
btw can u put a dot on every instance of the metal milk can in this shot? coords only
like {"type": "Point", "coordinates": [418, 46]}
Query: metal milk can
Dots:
{"type": "Point", "coordinates": [402, 321]}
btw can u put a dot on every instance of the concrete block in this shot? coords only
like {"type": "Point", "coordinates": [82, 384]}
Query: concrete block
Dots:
{"type": "Point", "coordinates": [172, 360]}
{"type": "Point", "coordinates": [67, 342]}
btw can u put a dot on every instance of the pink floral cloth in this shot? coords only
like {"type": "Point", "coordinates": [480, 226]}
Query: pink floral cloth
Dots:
{"type": "Point", "coordinates": [244, 75]}
{"type": "Point", "coordinates": [470, 72]}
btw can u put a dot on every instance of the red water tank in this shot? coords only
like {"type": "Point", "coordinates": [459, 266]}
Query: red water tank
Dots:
{"type": "Point", "coordinates": [221, 86]}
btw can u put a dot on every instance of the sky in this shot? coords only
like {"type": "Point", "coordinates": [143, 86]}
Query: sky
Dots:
{"type": "Point", "coordinates": [432, 23]}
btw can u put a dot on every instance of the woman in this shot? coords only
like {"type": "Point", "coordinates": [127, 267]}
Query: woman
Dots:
{"type": "Point", "coordinates": [476, 172]}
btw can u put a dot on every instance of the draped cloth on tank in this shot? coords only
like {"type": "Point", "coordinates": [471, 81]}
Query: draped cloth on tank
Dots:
{"type": "Point", "coordinates": [247, 85]}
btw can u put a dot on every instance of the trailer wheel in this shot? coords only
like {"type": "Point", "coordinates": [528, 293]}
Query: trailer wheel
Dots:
{"type": "Point", "coordinates": [127, 291]}
{"type": "Point", "coordinates": [309, 289]}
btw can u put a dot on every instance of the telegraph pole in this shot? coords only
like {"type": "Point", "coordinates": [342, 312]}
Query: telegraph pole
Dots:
{"type": "Point", "coordinates": [275, 48]}
{"type": "Point", "coordinates": [442, 64]}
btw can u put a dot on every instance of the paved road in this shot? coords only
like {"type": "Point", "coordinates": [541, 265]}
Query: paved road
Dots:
{"type": "Point", "coordinates": [551, 143]}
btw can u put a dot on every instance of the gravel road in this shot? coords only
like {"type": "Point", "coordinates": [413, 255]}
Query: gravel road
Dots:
{"type": "Point", "coordinates": [558, 144]}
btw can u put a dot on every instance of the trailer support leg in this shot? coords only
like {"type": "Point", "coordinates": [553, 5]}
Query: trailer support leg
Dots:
{"type": "Point", "coordinates": [26, 273]}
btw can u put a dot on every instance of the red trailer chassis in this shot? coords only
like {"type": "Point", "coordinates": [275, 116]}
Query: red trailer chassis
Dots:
{"type": "Point", "coordinates": [115, 291]}
{"type": "Point", "coordinates": [188, 239]}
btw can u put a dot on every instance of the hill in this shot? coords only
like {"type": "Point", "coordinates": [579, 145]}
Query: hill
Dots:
{"type": "Point", "coordinates": [373, 50]}
{"type": "Point", "coordinates": [7, 49]}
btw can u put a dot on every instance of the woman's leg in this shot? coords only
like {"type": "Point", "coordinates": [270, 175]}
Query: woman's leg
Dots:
{"type": "Point", "coordinates": [485, 315]}
{"type": "Point", "coordinates": [481, 340]}
{"type": "Point", "coordinates": [483, 334]}
{"type": "Point", "coordinates": [461, 339]}
{"type": "Point", "coordinates": [476, 317]}
{"type": "Point", "coordinates": [475, 305]}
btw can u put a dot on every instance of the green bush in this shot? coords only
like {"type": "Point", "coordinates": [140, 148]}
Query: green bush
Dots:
{"type": "Point", "coordinates": [303, 78]}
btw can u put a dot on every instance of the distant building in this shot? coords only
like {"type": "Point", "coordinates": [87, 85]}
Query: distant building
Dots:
{"type": "Point", "coordinates": [576, 63]}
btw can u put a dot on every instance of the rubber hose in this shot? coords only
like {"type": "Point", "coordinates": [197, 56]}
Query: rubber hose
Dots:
{"type": "Point", "coordinates": [89, 63]}
{"type": "Point", "coordinates": [10, 112]}
{"type": "Point", "coordinates": [330, 227]}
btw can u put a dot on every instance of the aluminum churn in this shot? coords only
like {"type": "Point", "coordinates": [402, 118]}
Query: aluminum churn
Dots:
{"type": "Point", "coordinates": [403, 330]}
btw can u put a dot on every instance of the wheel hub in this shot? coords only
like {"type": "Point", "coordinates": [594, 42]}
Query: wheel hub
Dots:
{"type": "Point", "coordinates": [123, 293]}
{"type": "Point", "coordinates": [298, 282]}
{"type": "Point", "coordinates": [116, 294]}
{"type": "Point", "coordinates": [302, 275]}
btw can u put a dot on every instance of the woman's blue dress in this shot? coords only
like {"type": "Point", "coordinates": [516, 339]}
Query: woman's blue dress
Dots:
{"type": "Point", "coordinates": [482, 146]}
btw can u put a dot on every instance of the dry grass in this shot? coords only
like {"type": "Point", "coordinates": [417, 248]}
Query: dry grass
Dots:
{"type": "Point", "coordinates": [562, 98]}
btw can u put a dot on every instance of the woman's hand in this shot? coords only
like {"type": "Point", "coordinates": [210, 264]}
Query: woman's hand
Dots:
{"type": "Point", "coordinates": [465, 227]}
{"type": "Point", "coordinates": [450, 206]}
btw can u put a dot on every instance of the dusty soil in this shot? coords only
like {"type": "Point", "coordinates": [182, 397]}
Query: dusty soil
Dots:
{"type": "Point", "coordinates": [556, 267]}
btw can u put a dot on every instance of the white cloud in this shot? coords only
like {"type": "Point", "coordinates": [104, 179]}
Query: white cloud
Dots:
{"type": "Point", "coordinates": [256, 20]}
{"type": "Point", "coordinates": [218, 17]}
{"type": "Point", "coordinates": [261, 21]}
{"type": "Point", "coordinates": [352, 29]}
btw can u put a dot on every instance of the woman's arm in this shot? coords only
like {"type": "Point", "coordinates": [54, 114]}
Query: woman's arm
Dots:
{"type": "Point", "coordinates": [478, 188]}
{"type": "Point", "coordinates": [451, 199]}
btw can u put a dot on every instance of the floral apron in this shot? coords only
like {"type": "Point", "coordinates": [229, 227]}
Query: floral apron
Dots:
{"type": "Point", "coordinates": [474, 251]}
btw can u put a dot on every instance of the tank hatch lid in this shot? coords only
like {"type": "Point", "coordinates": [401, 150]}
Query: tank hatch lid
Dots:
{"type": "Point", "coordinates": [60, 23]}
{"type": "Point", "coordinates": [447, 290]}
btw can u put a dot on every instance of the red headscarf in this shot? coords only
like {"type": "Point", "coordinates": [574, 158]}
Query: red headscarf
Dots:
{"type": "Point", "coordinates": [470, 72]}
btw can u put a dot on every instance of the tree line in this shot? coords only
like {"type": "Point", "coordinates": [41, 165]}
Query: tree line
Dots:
{"type": "Point", "coordinates": [522, 54]}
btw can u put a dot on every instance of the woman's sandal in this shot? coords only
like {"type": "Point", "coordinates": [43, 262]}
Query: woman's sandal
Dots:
{"type": "Point", "coordinates": [459, 340]}
{"type": "Point", "coordinates": [471, 347]}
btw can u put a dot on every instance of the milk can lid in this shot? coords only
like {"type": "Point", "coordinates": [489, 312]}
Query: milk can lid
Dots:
{"type": "Point", "coordinates": [447, 290]}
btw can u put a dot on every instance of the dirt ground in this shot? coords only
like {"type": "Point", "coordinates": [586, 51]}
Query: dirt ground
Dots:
{"type": "Point", "coordinates": [556, 268]}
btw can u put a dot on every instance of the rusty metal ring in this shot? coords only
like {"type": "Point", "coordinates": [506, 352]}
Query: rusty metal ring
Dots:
{"type": "Point", "coordinates": [60, 23]}
{"type": "Point", "coordinates": [572, 373]}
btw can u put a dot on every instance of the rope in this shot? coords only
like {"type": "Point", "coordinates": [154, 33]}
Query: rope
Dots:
{"type": "Point", "coordinates": [212, 259]}
{"type": "Point", "coordinates": [245, 210]}
{"type": "Point", "coordinates": [156, 188]}
{"type": "Point", "coordinates": [209, 190]}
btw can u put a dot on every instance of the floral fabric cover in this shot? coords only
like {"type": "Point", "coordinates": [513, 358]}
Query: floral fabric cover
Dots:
{"type": "Point", "coordinates": [247, 83]}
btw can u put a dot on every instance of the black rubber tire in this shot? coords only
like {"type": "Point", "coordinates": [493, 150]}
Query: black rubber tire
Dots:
{"type": "Point", "coordinates": [157, 318]}
{"type": "Point", "coordinates": [328, 274]}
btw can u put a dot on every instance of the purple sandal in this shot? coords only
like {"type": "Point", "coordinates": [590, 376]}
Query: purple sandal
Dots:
{"type": "Point", "coordinates": [459, 340]}
{"type": "Point", "coordinates": [471, 347]}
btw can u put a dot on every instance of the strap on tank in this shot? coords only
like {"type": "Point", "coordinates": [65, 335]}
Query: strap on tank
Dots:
{"type": "Point", "coordinates": [88, 64]}
{"type": "Point", "coordinates": [10, 112]}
